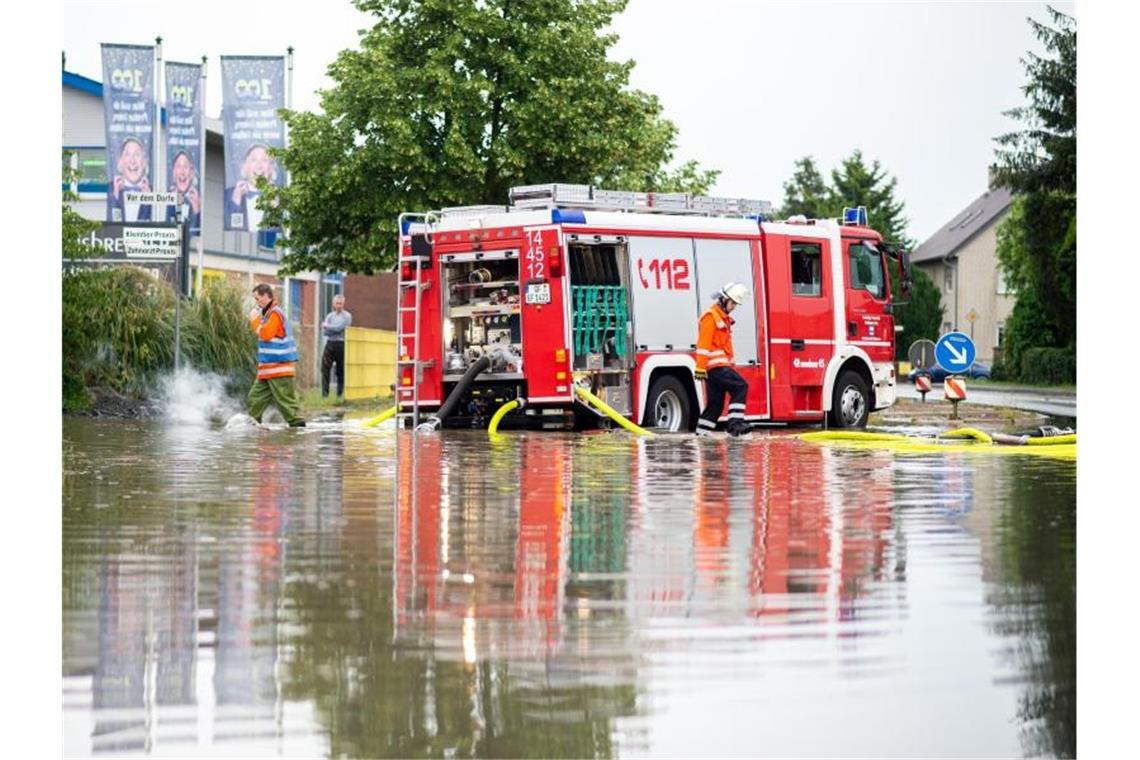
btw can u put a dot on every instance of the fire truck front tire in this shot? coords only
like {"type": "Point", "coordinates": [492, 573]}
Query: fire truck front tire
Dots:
{"type": "Point", "coordinates": [851, 401]}
{"type": "Point", "coordinates": [667, 407]}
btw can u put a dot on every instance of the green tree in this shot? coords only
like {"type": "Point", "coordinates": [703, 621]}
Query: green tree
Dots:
{"type": "Point", "coordinates": [807, 192]}
{"type": "Point", "coordinates": [74, 226]}
{"type": "Point", "coordinates": [452, 102]}
{"type": "Point", "coordinates": [1043, 155]}
{"type": "Point", "coordinates": [854, 183]}
{"type": "Point", "coordinates": [1037, 242]}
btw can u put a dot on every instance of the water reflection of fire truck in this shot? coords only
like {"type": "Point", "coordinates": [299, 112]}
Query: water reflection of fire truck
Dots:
{"type": "Point", "coordinates": [771, 527]}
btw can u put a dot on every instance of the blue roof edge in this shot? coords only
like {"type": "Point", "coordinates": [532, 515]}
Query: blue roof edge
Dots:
{"type": "Point", "coordinates": [82, 83]}
{"type": "Point", "coordinates": [91, 87]}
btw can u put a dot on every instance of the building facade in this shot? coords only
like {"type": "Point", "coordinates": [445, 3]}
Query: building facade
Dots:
{"type": "Point", "coordinates": [961, 259]}
{"type": "Point", "coordinates": [248, 258]}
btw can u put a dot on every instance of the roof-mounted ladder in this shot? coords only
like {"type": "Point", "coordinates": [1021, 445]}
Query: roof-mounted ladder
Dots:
{"type": "Point", "coordinates": [590, 197]}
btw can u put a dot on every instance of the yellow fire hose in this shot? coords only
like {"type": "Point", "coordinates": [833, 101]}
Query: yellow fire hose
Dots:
{"type": "Point", "coordinates": [493, 428]}
{"type": "Point", "coordinates": [1052, 440]}
{"type": "Point", "coordinates": [610, 412]}
{"type": "Point", "coordinates": [387, 414]}
{"type": "Point", "coordinates": [1061, 446]}
{"type": "Point", "coordinates": [965, 432]}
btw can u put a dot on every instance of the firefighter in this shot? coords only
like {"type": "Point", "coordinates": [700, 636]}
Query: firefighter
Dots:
{"type": "Point", "coordinates": [714, 363]}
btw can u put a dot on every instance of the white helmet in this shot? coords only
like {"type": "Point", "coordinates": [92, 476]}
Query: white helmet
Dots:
{"type": "Point", "coordinates": [735, 292]}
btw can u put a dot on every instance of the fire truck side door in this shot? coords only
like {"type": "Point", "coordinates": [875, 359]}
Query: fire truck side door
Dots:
{"type": "Point", "coordinates": [867, 323]}
{"type": "Point", "coordinates": [720, 262]}
{"type": "Point", "coordinates": [801, 321]}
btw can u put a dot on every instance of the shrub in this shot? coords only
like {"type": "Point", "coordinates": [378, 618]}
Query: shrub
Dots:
{"type": "Point", "coordinates": [118, 329]}
{"type": "Point", "coordinates": [1049, 366]}
{"type": "Point", "coordinates": [118, 332]}
{"type": "Point", "coordinates": [216, 335]}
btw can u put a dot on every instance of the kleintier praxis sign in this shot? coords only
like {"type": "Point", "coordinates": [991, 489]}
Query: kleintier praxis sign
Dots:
{"type": "Point", "coordinates": [152, 242]}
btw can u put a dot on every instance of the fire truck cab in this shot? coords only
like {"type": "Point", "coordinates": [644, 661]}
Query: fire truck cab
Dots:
{"type": "Point", "coordinates": [574, 284]}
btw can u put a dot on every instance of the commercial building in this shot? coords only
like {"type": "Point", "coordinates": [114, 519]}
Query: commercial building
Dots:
{"type": "Point", "coordinates": [247, 257]}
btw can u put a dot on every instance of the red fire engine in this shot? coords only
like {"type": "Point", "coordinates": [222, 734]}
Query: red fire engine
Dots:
{"type": "Point", "coordinates": [577, 285]}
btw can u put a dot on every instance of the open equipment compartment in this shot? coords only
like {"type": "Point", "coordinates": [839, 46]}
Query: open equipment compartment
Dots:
{"type": "Point", "coordinates": [482, 313]}
{"type": "Point", "coordinates": [600, 316]}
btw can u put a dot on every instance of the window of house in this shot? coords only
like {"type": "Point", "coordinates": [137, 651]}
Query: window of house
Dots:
{"type": "Point", "coordinates": [1003, 288]}
{"type": "Point", "coordinates": [1000, 337]}
{"type": "Point", "coordinates": [947, 277]}
{"type": "Point", "coordinates": [267, 239]}
{"type": "Point", "coordinates": [92, 166]}
{"type": "Point", "coordinates": [866, 269]}
{"type": "Point", "coordinates": [807, 273]}
{"type": "Point", "coordinates": [295, 300]}
{"type": "Point", "coordinates": [328, 291]}
{"type": "Point", "coordinates": [945, 327]}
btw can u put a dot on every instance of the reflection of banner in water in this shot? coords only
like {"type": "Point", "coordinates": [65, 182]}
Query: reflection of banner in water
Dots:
{"type": "Point", "coordinates": [147, 644]}
{"type": "Point", "coordinates": [128, 120]}
{"type": "Point", "coordinates": [249, 587]}
{"type": "Point", "coordinates": [253, 89]}
{"type": "Point", "coordinates": [184, 139]}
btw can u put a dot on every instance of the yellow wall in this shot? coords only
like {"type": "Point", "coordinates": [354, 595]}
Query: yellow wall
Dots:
{"type": "Point", "coordinates": [369, 363]}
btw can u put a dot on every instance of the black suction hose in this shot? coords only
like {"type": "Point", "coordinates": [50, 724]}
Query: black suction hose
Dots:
{"type": "Point", "coordinates": [457, 392]}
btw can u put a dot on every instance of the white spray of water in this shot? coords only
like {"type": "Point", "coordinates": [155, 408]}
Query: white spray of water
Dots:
{"type": "Point", "coordinates": [190, 397]}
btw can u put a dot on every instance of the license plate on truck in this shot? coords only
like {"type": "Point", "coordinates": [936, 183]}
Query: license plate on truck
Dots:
{"type": "Point", "coordinates": [538, 292]}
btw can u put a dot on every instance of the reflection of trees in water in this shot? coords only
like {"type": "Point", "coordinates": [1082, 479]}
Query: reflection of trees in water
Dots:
{"type": "Point", "coordinates": [1037, 603]}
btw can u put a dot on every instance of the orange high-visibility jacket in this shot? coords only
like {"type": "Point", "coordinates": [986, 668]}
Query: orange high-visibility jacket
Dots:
{"type": "Point", "coordinates": [271, 328]}
{"type": "Point", "coordinates": [714, 339]}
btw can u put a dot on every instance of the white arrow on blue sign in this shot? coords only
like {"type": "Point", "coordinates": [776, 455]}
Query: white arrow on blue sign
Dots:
{"type": "Point", "coordinates": [955, 352]}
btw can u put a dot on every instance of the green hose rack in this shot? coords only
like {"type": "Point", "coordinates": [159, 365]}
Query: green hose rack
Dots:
{"type": "Point", "coordinates": [599, 310]}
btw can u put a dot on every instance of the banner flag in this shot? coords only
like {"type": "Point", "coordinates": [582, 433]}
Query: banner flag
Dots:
{"type": "Point", "coordinates": [184, 140]}
{"type": "Point", "coordinates": [128, 121]}
{"type": "Point", "coordinates": [253, 89]}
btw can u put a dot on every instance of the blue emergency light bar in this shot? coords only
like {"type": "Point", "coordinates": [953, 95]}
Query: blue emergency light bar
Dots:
{"type": "Point", "coordinates": [856, 215]}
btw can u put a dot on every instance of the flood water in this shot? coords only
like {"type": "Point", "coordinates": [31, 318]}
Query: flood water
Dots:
{"type": "Point", "coordinates": [235, 592]}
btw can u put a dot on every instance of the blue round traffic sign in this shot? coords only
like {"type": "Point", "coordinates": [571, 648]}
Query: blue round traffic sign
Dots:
{"type": "Point", "coordinates": [955, 352]}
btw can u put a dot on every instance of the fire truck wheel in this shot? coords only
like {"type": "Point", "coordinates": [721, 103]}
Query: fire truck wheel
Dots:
{"type": "Point", "coordinates": [667, 406]}
{"type": "Point", "coordinates": [851, 404]}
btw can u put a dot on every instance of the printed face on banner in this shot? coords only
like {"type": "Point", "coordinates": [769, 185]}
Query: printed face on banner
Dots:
{"type": "Point", "coordinates": [131, 168]}
{"type": "Point", "coordinates": [183, 178]}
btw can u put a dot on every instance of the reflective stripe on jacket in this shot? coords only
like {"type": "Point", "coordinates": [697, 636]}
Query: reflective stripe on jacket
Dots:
{"type": "Point", "coordinates": [276, 349]}
{"type": "Point", "coordinates": [714, 339]}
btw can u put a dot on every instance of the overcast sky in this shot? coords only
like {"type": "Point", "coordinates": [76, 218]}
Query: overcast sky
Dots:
{"type": "Point", "coordinates": [752, 86]}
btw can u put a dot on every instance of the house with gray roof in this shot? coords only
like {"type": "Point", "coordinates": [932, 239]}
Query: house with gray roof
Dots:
{"type": "Point", "coordinates": [961, 259]}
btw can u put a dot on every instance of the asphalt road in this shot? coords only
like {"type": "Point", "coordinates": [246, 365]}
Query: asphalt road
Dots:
{"type": "Point", "coordinates": [1050, 401]}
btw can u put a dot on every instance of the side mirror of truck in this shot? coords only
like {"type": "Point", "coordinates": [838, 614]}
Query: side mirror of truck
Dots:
{"type": "Point", "coordinates": [905, 273]}
{"type": "Point", "coordinates": [903, 259]}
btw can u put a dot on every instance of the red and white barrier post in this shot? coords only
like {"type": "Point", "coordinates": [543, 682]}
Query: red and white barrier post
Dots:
{"type": "Point", "coordinates": [955, 390]}
{"type": "Point", "coordinates": [922, 384]}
